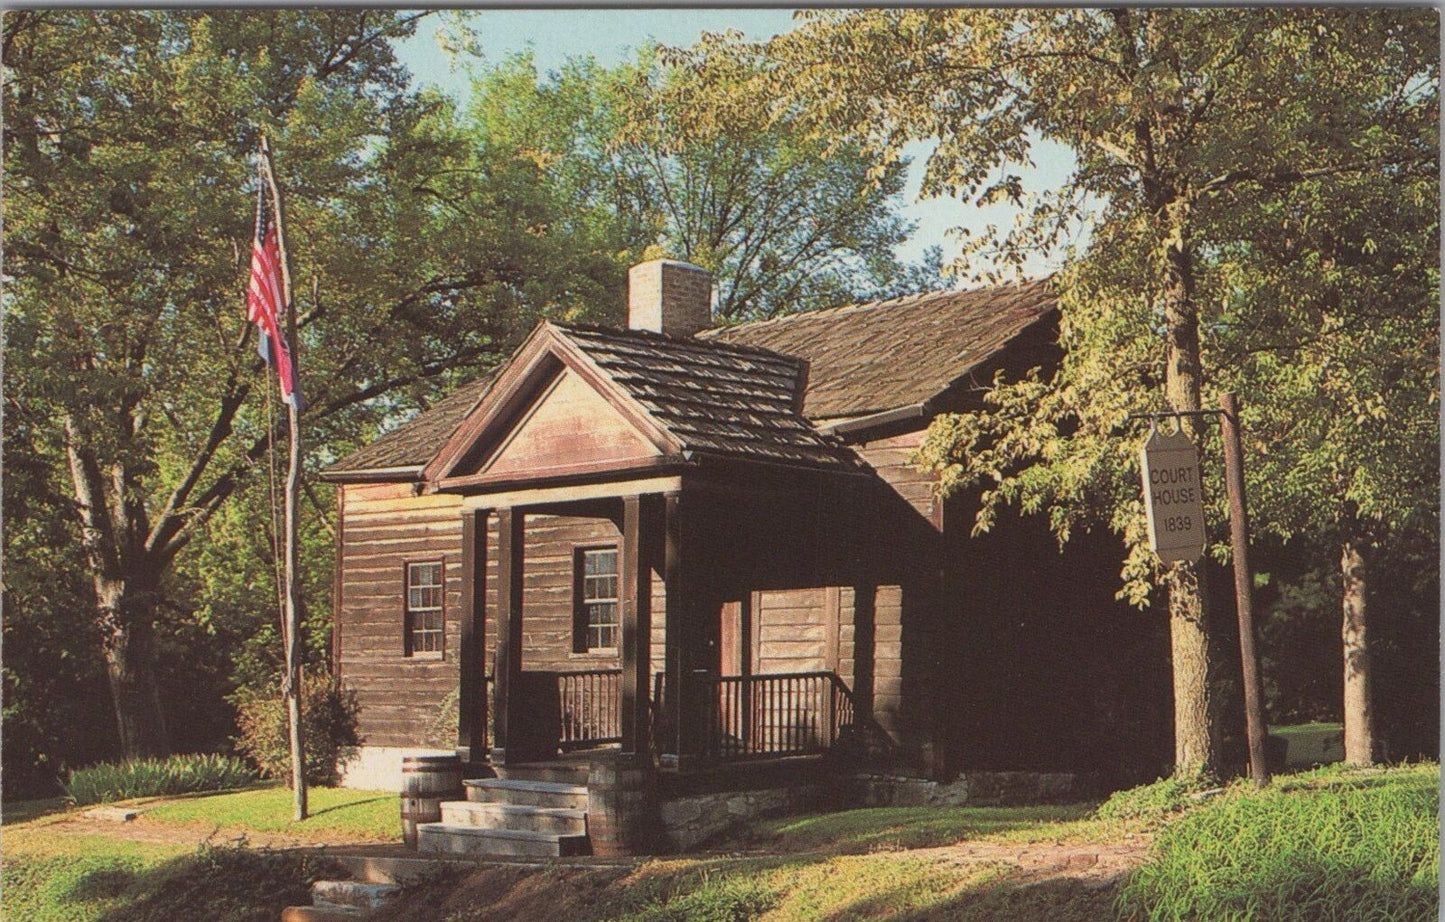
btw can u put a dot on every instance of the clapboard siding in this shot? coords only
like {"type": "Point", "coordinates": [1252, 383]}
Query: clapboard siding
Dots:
{"type": "Point", "coordinates": [385, 527]}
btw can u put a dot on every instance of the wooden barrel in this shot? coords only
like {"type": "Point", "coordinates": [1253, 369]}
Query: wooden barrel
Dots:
{"type": "Point", "coordinates": [432, 776]}
{"type": "Point", "coordinates": [415, 810]}
{"type": "Point", "coordinates": [622, 817]}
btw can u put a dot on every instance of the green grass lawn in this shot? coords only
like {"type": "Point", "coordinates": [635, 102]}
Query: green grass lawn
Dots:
{"type": "Point", "coordinates": [335, 814]}
{"type": "Point", "coordinates": [1318, 743]}
{"type": "Point", "coordinates": [1332, 843]}
{"type": "Point", "coordinates": [52, 875]}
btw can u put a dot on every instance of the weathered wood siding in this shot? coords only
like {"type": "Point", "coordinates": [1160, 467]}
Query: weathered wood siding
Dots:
{"type": "Point", "coordinates": [386, 527]}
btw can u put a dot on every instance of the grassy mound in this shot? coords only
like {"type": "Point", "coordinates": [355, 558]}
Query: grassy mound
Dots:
{"type": "Point", "coordinates": [135, 882]}
{"type": "Point", "coordinates": [1331, 844]}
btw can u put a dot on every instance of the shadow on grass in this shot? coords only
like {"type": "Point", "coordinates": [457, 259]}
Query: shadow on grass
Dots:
{"type": "Point", "coordinates": [101, 884]}
{"type": "Point", "coordinates": [355, 803]}
{"type": "Point", "coordinates": [22, 811]}
{"type": "Point", "coordinates": [219, 884]}
{"type": "Point", "coordinates": [1060, 900]}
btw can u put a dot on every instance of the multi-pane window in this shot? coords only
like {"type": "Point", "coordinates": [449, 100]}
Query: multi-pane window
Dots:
{"type": "Point", "coordinates": [597, 617]}
{"type": "Point", "coordinates": [424, 617]}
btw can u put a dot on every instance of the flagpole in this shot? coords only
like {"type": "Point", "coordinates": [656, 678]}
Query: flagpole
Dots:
{"type": "Point", "coordinates": [291, 686]}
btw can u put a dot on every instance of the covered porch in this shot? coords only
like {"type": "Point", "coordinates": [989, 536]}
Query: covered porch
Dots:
{"type": "Point", "coordinates": [695, 547]}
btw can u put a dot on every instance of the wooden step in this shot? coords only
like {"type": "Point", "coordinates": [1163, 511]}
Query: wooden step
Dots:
{"type": "Point", "coordinates": [478, 840]}
{"type": "Point", "coordinates": [356, 894]}
{"type": "Point", "coordinates": [527, 793]}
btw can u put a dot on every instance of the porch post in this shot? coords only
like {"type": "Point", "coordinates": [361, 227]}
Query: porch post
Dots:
{"type": "Point", "coordinates": [688, 653]}
{"type": "Point", "coordinates": [636, 622]}
{"type": "Point", "coordinates": [511, 542]}
{"type": "Point", "coordinates": [472, 690]}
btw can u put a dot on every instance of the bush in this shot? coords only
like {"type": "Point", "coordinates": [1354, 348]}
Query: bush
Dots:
{"type": "Point", "coordinates": [328, 722]}
{"type": "Point", "coordinates": [185, 774]}
{"type": "Point", "coordinates": [1153, 802]}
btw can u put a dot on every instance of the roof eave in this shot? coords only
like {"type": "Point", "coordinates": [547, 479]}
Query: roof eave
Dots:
{"type": "Point", "coordinates": [860, 424]}
{"type": "Point", "coordinates": [408, 474]}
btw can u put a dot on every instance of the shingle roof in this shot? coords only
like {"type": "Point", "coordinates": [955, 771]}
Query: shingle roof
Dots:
{"type": "Point", "coordinates": [867, 358]}
{"type": "Point", "coordinates": [415, 442]}
{"type": "Point", "coordinates": [733, 391]}
{"type": "Point", "coordinates": [715, 398]}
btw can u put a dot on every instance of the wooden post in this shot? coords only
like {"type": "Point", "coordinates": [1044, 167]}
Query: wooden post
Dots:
{"type": "Point", "coordinates": [1243, 580]}
{"type": "Point", "coordinates": [291, 686]}
{"type": "Point", "coordinates": [636, 623]}
{"type": "Point", "coordinates": [511, 540]}
{"type": "Point", "coordinates": [472, 690]}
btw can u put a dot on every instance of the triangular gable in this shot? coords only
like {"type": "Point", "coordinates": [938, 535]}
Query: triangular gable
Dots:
{"type": "Point", "coordinates": [568, 424]}
{"type": "Point", "coordinates": [550, 412]}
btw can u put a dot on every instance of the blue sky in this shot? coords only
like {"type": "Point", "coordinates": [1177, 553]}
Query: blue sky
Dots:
{"type": "Point", "coordinates": [613, 35]}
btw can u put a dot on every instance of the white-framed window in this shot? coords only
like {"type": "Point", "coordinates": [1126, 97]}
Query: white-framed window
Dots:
{"type": "Point", "coordinates": [597, 619]}
{"type": "Point", "coordinates": [425, 607]}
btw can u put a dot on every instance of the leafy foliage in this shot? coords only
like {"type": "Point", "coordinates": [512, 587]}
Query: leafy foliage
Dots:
{"type": "Point", "coordinates": [328, 723]}
{"type": "Point", "coordinates": [183, 774]}
{"type": "Point", "coordinates": [644, 156]}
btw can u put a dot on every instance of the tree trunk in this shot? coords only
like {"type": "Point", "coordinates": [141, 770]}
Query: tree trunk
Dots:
{"type": "Point", "coordinates": [127, 622]}
{"type": "Point", "coordinates": [1196, 707]}
{"type": "Point", "coordinates": [1359, 711]}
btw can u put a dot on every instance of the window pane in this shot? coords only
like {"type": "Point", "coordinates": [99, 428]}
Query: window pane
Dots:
{"type": "Point", "coordinates": [600, 562]}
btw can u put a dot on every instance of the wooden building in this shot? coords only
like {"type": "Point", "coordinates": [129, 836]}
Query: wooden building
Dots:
{"type": "Point", "coordinates": [711, 547]}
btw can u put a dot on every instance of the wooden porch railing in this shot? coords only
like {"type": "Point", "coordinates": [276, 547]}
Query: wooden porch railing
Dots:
{"type": "Point", "coordinates": [590, 707]}
{"type": "Point", "coordinates": [769, 715]}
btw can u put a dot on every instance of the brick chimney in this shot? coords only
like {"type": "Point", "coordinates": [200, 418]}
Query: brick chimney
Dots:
{"type": "Point", "coordinates": [669, 296]}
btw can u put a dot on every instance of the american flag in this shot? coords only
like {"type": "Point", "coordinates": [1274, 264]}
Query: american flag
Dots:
{"type": "Point", "coordinates": [265, 298]}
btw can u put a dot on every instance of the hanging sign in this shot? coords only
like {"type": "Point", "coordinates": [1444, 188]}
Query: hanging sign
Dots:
{"type": "Point", "coordinates": [1172, 498]}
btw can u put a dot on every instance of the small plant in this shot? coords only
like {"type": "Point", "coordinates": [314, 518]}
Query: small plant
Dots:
{"type": "Point", "coordinates": [328, 723]}
{"type": "Point", "coordinates": [184, 774]}
{"type": "Point", "coordinates": [1153, 802]}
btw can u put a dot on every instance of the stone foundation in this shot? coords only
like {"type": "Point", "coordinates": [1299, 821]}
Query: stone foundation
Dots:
{"type": "Point", "coordinates": [974, 789]}
{"type": "Point", "coordinates": [691, 821]}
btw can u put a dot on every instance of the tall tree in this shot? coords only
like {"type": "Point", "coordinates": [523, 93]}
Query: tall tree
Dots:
{"type": "Point", "coordinates": [128, 145]}
{"type": "Point", "coordinates": [1173, 116]}
{"type": "Point", "coordinates": [1330, 319]}
{"type": "Point", "coordinates": [648, 158]}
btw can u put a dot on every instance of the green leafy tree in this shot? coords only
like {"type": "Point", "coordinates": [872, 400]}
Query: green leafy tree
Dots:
{"type": "Point", "coordinates": [649, 160]}
{"type": "Point", "coordinates": [129, 180]}
{"type": "Point", "coordinates": [1181, 122]}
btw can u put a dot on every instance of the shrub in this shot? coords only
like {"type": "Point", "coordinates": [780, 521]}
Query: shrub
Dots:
{"type": "Point", "coordinates": [328, 722]}
{"type": "Point", "coordinates": [1152, 802]}
{"type": "Point", "coordinates": [185, 774]}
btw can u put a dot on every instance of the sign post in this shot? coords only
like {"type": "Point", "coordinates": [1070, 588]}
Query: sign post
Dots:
{"type": "Point", "coordinates": [1243, 584]}
{"type": "Point", "coordinates": [1174, 505]}
{"type": "Point", "coordinates": [1172, 498]}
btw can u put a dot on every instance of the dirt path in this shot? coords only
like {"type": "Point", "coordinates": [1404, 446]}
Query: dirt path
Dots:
{"type": "Point", "coordinates": [1095, 864]}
